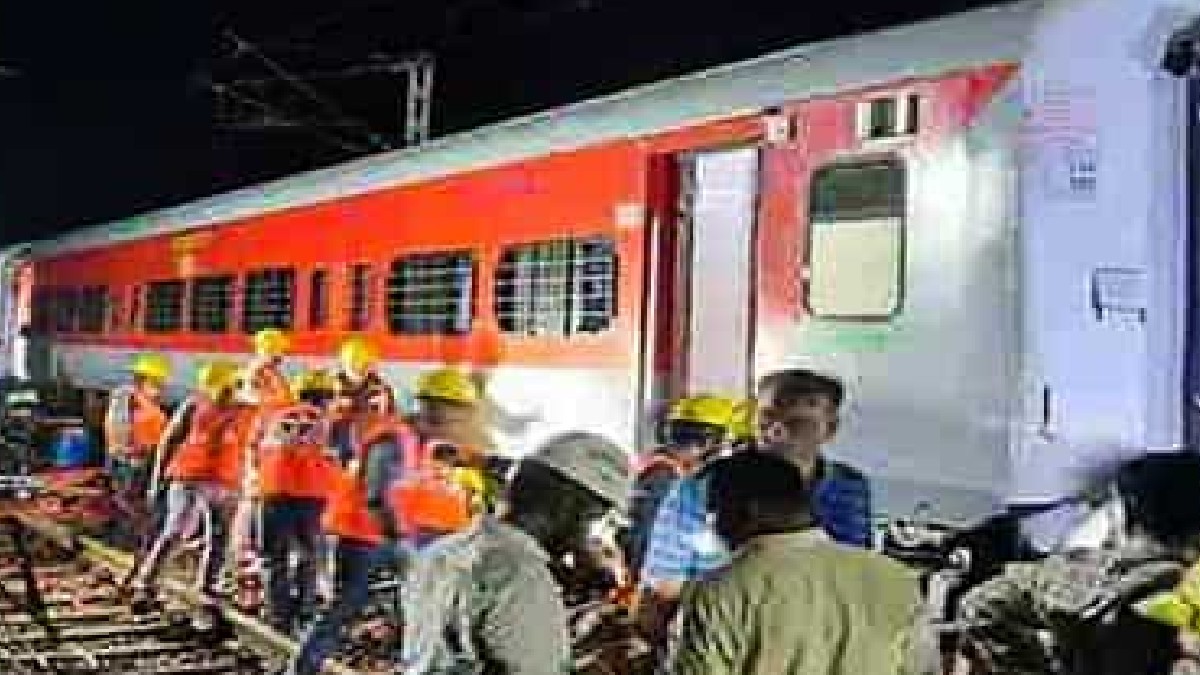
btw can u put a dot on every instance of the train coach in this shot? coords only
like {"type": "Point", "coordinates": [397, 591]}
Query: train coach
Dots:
{"type": "Point", "coordinates": [985, 223]}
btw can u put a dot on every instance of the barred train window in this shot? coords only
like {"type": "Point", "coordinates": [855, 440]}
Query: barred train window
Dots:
{"type": "Point", "coordinates": [93, 309]}
{"type": "Point", "coordinates": [431, 293]}
{"type": "Point", "coordinates": [211, 304]}
{"type": "Point", "coordinates": [269, 299]}
{"type": "Point", "coordinates": [318, 299]}
{"type": "Point", "coordinates": [164, 306]}
{"type": "Point", "coordinates": [856, 245]}
{"type": "Point", "coordinates": [66, 301]}
{"type": "Point", "coordinates": [360, 297]}
{"type": "Point", "coordinates": [563, 287]}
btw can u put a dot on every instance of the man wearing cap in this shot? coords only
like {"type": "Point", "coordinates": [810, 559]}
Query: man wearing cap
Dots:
{"type": "Point", "coordinates": [485, 600]}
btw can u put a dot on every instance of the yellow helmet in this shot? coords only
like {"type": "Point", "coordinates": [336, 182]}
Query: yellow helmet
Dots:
{"type": "Point", "coordinates": [358, 354]}
{"type": "Point", "coordinates": [272, 342]}
{"type": "Point", "coordinates": [1179, 608]}
{"type": "Point", "coordinates": [215, 377]}
{"type": "Point", "coordinates": [744, 424]}
{"type": "Point", "coordinates": [448, 384]}
{"type": "Point", "coordinates": [151, 366]}
{"type": "Point", "coordinates": [710, 409]}
{"type": "Point", "coordinates": [313, 380]}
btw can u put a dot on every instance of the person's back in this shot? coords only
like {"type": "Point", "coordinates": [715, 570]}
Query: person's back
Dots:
{"type": "Point", "coordinates": [798, 603]}
{"type": "Point", "coordinates": [792, 600]}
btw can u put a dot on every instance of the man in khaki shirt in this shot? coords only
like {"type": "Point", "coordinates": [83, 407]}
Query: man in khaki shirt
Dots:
{"type": "Point", "coordinates": [792, 601]}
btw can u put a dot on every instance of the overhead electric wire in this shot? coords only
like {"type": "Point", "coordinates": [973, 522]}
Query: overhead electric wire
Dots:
{"type": "Point", "coordinates": [330, 107]}
{"type": "Point", "coordinates": [266, 108]}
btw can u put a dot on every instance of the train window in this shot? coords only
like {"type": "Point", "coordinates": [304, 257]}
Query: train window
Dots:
{"type": "Point", "coordinates": [66, 309]}
{"type": "Point", "coordinates": [318, 299]}
{"type": "Point", "coordinates": [564, 287]}
{"type": "Point", "coordinates": [211, 304]}
{"type": "Point", "coordinates": [856, 240]}
{"type": "Point", "coordinates": [431, 293]}
{"type": "Point", "coordinates": [93, 309]}
{"type": "Point", "coordinates": [269, 299]}
{"type": "Point", "coordinates": [360, 297]}
{"type": "Point", "coordinates": [164, 306]}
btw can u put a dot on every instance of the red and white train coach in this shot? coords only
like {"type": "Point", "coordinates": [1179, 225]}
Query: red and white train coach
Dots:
{"type": "Point", "coordinates": [979, 222]}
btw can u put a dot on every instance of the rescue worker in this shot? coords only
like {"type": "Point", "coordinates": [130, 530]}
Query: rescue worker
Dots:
{"type": "Point", "coordinates": [291, 473]}
{"type": "Point", "coordinates": [1179, 610]}
{"type": "Point", "coordinates": [449, 414]}
{"type": "Point", "coordinates": [1074, 612]}
{"type": "Point", "coordinates": [486, 600]}
{"type": "Point", "coordinates": [360, 514]}
{"type": "Point", "coordinates": [696, 429]}
{"type": "Point", "coordinates": [201, 455]}
{"type": "Point", "coordinates": [743, 427]}
{"type": "Point", "coordinates": [133, 425]}
{"type": "Point", "coordinates": [359, 390]}
{"type": "Point", "coordinates": [792, 601]}
{"type": "Point", "coordinates": [265, 383]}
{"type": "Point", "coordinates": [797, 415]}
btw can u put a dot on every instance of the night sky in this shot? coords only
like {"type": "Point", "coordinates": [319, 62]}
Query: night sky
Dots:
{"type": "Point", "coordinates": [108, 116]}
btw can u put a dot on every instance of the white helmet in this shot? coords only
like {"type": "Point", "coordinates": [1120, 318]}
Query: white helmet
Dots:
{"type": "Point", "coordinates": [590, 461]}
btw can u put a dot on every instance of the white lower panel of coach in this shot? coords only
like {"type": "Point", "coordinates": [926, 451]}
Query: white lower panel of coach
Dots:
{"type": "Point", "coordinates": [528, 404]}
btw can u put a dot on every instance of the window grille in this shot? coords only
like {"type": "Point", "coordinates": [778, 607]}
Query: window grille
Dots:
{"type": "Point", "coordinates": [135, 308]}
{"type": "Point", "coordinates": [431, 294]}
{"type": "Point", "coordinates": [318, 299]}
{"type": "Point", "coordinates": [66, 309]}
{"type": "Point", "coordinates": [164, 306]}
{"type": "Point", "coordinates": [42, 312]}
{"type": "Point", "coordinates": [360, 297]}
{"type": "Point", "coordinates": [565, 287]}
{"type": "Point", "coordinates": [116, 314]}
{"type": "Point", "coordinates": [93, 309]}
{"type": "Point", "coordinates": [269, 300]}
{"type": "Point", "coordinates": [856, 240]}
{"type": "Point", "coordinates": [211, 304]}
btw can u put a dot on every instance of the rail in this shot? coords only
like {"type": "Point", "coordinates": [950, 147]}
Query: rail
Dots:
{"type": "Point", "coordinates": [250, 632]}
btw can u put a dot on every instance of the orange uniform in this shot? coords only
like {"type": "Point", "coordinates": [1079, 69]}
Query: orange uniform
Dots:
{"type": "Point", "coordinates": [658, 460]}
{"type": "Point", "coordinates": [212, 451]}
{"type": "Point", "coordinates": [147, 421]}
{"type": "Point", "coordinates": [423, 499]}
{"type": "Point", "coordinates": [292, 457]}
{"type": "Point", "coordinates": [269, 385]}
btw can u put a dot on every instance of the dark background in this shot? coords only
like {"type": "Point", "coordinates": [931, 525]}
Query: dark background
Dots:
{"type": "Point", "coordinates": [108, 114]}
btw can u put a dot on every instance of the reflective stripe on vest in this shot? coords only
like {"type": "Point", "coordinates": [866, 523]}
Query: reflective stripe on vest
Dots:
{"type": "Point", "coordinates": [290, 465]}
{"type": "Point", "coordinates": [656, 460]}
{"type": "Point", "coordinates": [270, 386]}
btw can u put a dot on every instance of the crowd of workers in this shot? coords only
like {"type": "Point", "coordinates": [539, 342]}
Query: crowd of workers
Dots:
{"type": "Point", "coordinates": [738, 546]}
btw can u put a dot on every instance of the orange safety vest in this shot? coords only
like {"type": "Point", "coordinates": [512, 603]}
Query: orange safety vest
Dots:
{"type": "Point", "coordinates": [369, 395]}
{"type": "Point", "coordinates": [270, 385]}
{"type": "Point", "coordinates": [655, 460]}
{"type": "Point", "coordinates": [424, 499]}
{"type": "Point", "coordinates": [147, 424]}
{"type": "Point", "coordinates": [214, 445]}
{"type": "Point", "coordinates": [290, 467]}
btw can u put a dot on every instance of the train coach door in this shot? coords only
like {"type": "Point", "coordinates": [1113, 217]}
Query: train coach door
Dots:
{"type": "Point", "coordinates": [718, 199]}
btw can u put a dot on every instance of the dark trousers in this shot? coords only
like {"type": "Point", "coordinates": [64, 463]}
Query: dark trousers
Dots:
{"type": "Point", "coordinates": [291, 525]}
{"type": "Point", "coordinates": [353, 563]}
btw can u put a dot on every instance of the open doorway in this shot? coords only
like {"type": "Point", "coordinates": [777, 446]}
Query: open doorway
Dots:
{"type": "Point", "coordinates": [702, 278]}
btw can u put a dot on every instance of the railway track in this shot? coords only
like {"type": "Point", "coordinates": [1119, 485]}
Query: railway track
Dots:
{"type": "Point", "coordinates": [84, 627]}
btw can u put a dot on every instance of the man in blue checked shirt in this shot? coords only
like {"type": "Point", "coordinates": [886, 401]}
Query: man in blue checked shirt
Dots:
{"type": "Point", "coordinates": [797, 416]}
